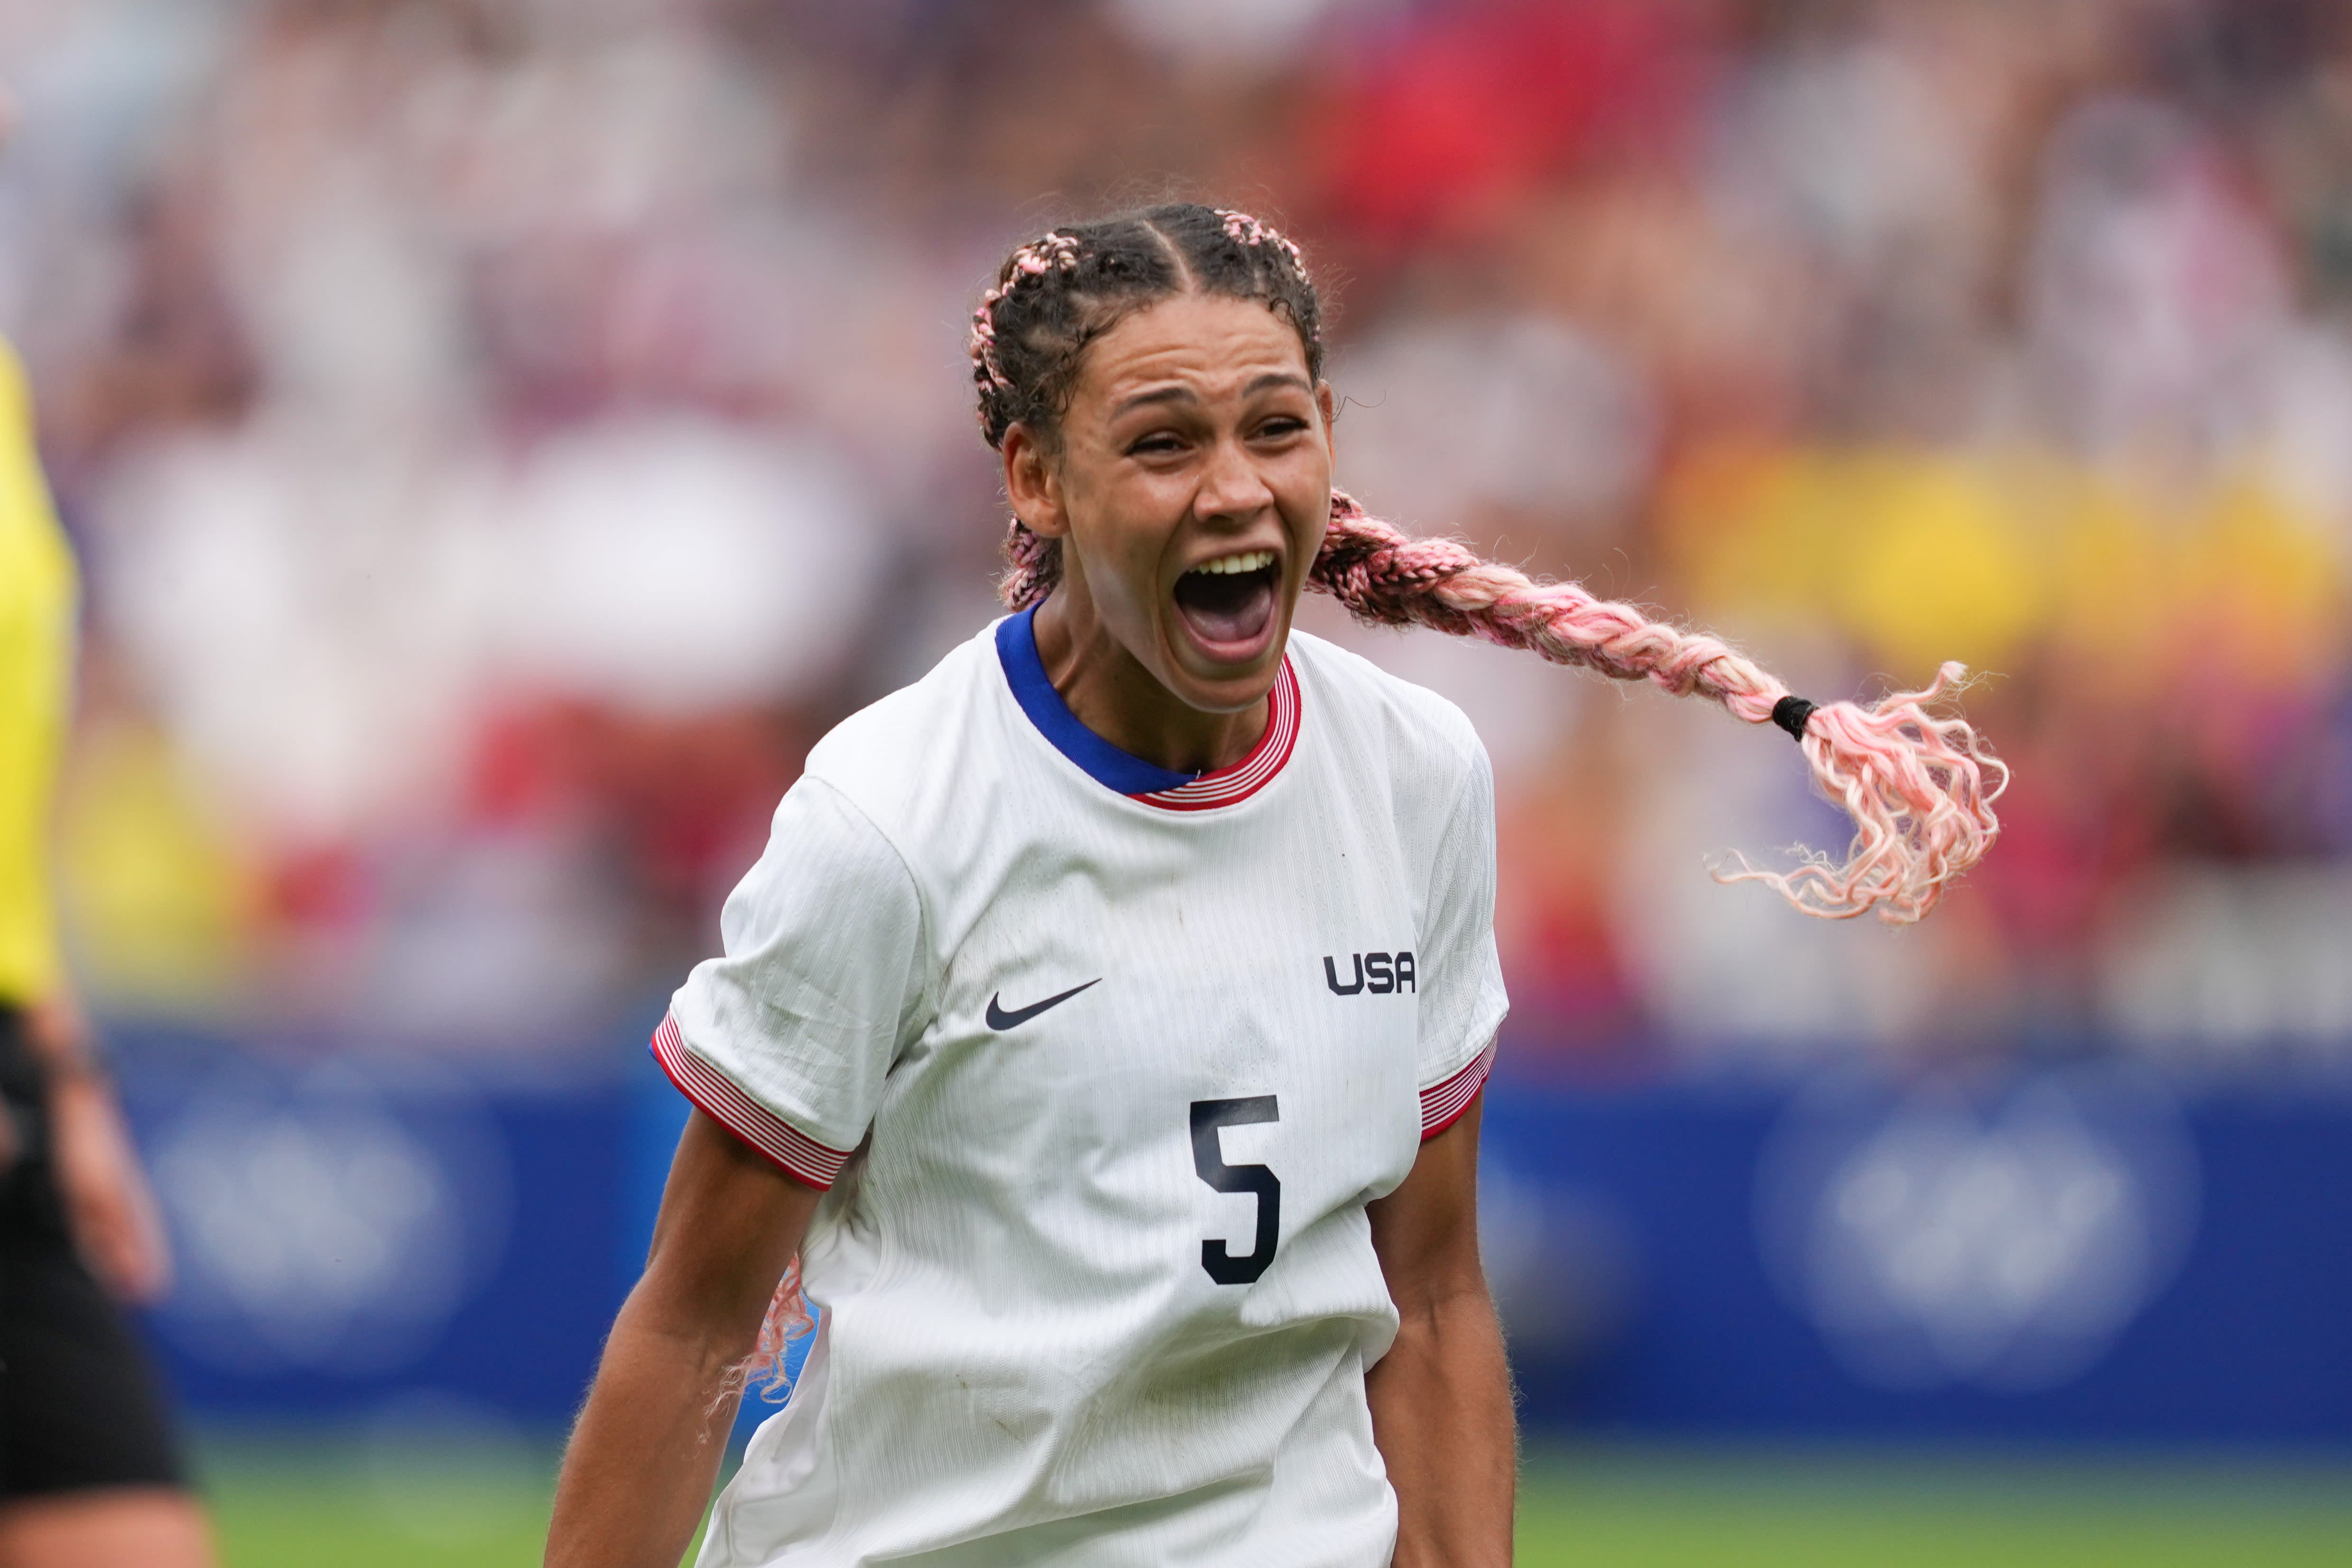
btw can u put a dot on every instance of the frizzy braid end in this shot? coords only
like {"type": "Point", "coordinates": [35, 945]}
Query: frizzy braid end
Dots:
{"type": "Point", "coordinates": [787, 1319]}
{"type": "Point", "coordinates": [1919, 788]}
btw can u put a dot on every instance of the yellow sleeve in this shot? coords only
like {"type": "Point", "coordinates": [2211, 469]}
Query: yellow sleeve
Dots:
{"type": "Point", "coordinates": [37, 596]}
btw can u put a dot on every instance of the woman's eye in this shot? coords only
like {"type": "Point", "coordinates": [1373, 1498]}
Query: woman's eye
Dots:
{"type": "Point", "coordinates": [1155, 445]}
{"type": "Point", "coordinates": [1281, 425]}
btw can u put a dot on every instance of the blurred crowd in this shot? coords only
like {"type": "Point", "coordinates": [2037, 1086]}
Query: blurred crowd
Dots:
{"type": "Point", "coordinates": [503, 435]}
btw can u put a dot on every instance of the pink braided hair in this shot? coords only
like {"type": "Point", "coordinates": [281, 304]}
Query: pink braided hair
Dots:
{"type": "Point", "coordinates": [1046, 254]}
{"type": "Point", "coordinates": [1919, 788]}
{"type": "Point", "coordinates": [1915, 786]}
{"type": "Point", "coordinates": [787, 1319]}
{"type": "Point", "coordinates": [1250, 231]}
{"type": "Point", "coordinates": [1032, 564]}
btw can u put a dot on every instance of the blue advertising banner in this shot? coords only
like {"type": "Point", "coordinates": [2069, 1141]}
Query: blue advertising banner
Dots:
{"type": "Point", "coordinates": [2061, 1252]}
{"type": "Point", "coordinates": [2061, 1255]}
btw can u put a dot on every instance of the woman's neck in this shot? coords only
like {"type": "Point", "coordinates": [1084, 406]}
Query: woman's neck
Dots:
{"type": "Point", "coordinates": [1112, 693]}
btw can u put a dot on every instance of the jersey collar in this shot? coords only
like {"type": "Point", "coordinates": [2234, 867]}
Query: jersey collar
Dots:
{"type": "Point", "coordinates": [1131, 776]}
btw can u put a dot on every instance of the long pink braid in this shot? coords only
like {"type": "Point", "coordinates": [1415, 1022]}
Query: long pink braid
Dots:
{"type": "Point", "coordinates": [1914, 784]}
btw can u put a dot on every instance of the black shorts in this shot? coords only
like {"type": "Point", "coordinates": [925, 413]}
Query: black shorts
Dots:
{"type": "Point", "coordinates": [80, 1406]}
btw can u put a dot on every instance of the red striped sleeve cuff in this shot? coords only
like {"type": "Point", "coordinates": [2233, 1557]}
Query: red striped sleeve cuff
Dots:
{"type": "Point", "coordinates": [1442, 1105]}
{"type": "Point", "coordinates": [792, 1150]}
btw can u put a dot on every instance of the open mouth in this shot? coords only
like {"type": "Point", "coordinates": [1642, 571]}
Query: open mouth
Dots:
{"type": "Point", "coordinates": [1228, 602]}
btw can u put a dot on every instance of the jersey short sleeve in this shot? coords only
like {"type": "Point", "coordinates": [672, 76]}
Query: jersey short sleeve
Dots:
{"type": "Point", "coordinates": [1461, 975]}
{"type": "Point", "coordinates": [787, 1039]}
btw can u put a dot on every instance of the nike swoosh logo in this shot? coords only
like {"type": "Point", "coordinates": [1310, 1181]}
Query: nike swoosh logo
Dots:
{"type": "Point", "coordinates": [998, 1019]}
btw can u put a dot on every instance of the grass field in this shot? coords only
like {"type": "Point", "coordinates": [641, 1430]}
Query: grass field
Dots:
{"type": "Point", "coordinates": [289, 1503]}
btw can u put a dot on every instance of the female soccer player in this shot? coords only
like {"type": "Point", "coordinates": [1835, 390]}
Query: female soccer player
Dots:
{"type": "Point", "coordinates": [1098, 1042]}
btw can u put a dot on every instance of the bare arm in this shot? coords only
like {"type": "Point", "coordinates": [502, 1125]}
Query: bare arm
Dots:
{"type": "Point", "coordinates": [647, 1444]}
{"type": "Point", "coordinates": [1441, 1398]}
{"type": "Point", "coordinates": [111, 1211]}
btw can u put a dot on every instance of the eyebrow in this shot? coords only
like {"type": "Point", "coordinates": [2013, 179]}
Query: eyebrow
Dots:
{"type": "Point", "coordinates": [1184, 393]}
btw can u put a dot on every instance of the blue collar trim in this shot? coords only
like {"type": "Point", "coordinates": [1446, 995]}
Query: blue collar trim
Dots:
{"type": "Point", "coordinates": [1017, 650]}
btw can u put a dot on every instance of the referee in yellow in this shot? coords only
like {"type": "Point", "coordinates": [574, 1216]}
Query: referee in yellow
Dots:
{"type": "Point", "coordinates": [89, 1472]}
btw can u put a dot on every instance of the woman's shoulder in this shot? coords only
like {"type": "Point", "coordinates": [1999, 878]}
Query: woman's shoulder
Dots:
{"type": "Point", "coordinates": [920, 761]}
{"type": "Point", "coordinates": [910, 726]}
{"type": "Point", "coordinates": [1413, 724]}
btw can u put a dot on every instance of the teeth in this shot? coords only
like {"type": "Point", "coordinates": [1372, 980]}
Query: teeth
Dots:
{"type": "Point", "coordinates": [1244, 560]}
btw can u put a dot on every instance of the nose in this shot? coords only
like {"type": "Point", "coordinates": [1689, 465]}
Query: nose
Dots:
{"type": "Point", "coordinates": [1232, 488]}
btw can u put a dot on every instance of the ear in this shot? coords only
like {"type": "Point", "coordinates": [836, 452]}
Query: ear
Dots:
{"type": "Point", "coordinates": [1032, 482]}
{"type": "Point", "coordinates": [1329, 406]}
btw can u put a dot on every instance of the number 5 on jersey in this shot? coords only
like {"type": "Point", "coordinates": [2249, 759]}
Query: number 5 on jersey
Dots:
{"type": "Point", "coordinates": [1209, 1159]}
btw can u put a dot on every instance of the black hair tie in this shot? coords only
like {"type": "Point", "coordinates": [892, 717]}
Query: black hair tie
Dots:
{"type": "Point", "coordinates": [1790, 714]}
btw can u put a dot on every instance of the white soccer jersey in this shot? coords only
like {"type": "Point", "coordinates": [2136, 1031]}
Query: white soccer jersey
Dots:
{"type": "Point", "coordinates": [1100, 1064]}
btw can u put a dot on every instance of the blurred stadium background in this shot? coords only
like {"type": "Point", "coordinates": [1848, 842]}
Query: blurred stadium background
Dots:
{"type": "Point", "coordinates": [502, 435]}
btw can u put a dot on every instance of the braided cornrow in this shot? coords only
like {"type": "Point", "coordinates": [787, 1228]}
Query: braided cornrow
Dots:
{"type": "Point", "coordinates": [1053, 253]}
{"type": "Point", "coordinates": [1919, 788]}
